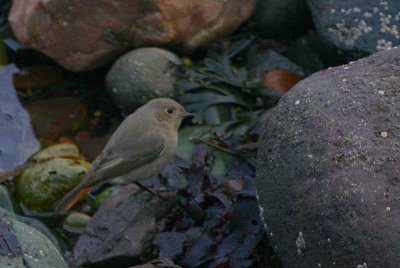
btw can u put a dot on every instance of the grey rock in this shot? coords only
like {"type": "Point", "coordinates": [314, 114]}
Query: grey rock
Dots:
{"type": "Point", "coordinates": [328, 167]}
{"type": "Point", "coordinates": [28, 247]}
{"type": "Point", "coordinates": [9, 203]}
{"type": "Point", "coordinates": [141, 75]}
{"type": "Point", "coordinates": [123, 228]}
{"type": "Point", "coordinates": [367, 26]}
{"type": "Point", "coordinates": [281, 19]}
{"type": "Point", "coordinates": [17, 140]}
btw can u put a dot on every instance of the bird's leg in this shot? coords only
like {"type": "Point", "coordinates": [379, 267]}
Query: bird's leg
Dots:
{"type": "Point", "coordinates": [141, 186]}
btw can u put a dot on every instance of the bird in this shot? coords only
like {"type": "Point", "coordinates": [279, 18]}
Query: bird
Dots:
{"type": "Point", "coordinates": [143, 144]}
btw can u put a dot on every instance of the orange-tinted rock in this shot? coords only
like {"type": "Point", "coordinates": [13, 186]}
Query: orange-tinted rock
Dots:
{"type": "Point", "coordinates": [37, 77]}
{"type": "Point", "coordinates": [280, 80]}
{"type": "Point", "coordinates": [55, 117]}
{"type": "Point", "coordinates": [91, 146]}
{"type": "Point", "coordinates": [82, 35]}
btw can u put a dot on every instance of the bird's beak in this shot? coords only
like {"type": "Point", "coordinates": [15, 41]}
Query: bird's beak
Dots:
{"type": "Point", "coordinates": [186, 114]}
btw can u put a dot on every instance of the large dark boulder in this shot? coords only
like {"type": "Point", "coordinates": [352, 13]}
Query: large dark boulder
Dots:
{"type": "Point", "coordinates": [329, 167]}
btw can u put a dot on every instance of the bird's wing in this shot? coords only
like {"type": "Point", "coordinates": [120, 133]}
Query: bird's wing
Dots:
{"type": "Point", "coordinates": [126, 156]}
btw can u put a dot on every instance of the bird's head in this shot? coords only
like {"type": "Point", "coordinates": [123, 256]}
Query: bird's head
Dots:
{"type": "Point", "coordinates": [168, 112]}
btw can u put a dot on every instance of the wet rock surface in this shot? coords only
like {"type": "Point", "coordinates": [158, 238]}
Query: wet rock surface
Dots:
{"type": "Point", "coordinates": [281, 19]}
{"type": "Point", "coordinates": [328, 172]}
{"type": "Point", "coordinates": [262, 62]}
{"type": "Point", "coordinates": [97, 32]}
{"type": "Point", "coordinates": [17, 140]}
{"type": "Point", "coordinates": [24, 246]}
{"type": "Point", "coordinates": [57, 116]}
{"type": "Point", "coordinates": [141, 75]}
{"type": "Point", "coordinates": [123, 228]}
{"type": "Point", "coordinates": [368, 26]}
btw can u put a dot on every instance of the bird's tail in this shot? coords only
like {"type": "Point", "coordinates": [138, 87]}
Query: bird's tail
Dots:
{"type": "Point", "coordinates": [70, 199]}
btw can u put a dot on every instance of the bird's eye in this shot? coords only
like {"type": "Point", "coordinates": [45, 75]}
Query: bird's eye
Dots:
{"type": "Point", "coordinates": [169, 110]}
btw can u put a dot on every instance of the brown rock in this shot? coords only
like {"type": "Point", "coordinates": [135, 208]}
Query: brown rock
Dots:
{"type": "Point", "coordinates": [91, 146]}
{"type": "Point", "coordinates": [82, 35]}
{"type": "Point", "coordinates": [280, 81]}
{"type": "Point", "coordinates": [51, 118]}
{"type": "Point", "coordinates": [37, 77]}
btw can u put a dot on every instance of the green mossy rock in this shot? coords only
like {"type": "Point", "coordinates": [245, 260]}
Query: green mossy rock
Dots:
{"type": "Point", "coordinates": [41, 185]}
{"type": "Point", "coordinates": [8, 200]}
{"type": "Point", "coordinates": [104, 195]}
{"type": "Point", "coordinates": [76, 222]}
{"type": "Point", "coordinates": [57, 150]}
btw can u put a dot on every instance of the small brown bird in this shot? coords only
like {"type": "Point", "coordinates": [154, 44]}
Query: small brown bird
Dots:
{"type": "Point", "coordinates": [141, 147]}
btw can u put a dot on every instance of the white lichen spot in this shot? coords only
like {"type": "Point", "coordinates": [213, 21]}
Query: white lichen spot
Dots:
{"type": "Point", "coordinates": [367, 15]}
{"type": "Point", "coordinates": [388, 209]}
{"type": "Point", "coordinates": [297, 102]}
{"type": "Point", "coordinates": [364, 265]}
{"type": "Point", "coordinates": [383, 44]}
{"type": "Point", "coordinates": [333, 11]}
{"type": "Point", "coordinates": [384, 134]}
{"type": "Point", "coordinates": [381, 92]}
{"type": "Point", "coordinates": [344, 80]}
{"type": "Point", "coordinates": [397, 16]}
{"type": "Point", "coordinates": [356, 9]}
{"type": "Point", "coordinates": [300, 244]}
{"type": "Point", "coordinates": [350, 34]}
{"type": "Point", "coordinates": [346, 68]}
